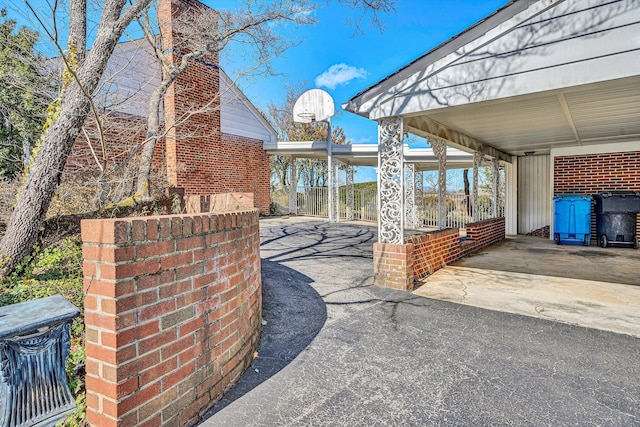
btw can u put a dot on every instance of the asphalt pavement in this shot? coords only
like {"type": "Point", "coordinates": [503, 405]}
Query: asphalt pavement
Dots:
{"type": "Point", "coordinates": [338, 351]}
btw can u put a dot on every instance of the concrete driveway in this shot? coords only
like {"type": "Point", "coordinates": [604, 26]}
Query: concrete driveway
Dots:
{"type": "Point", "coordinates": [586, 286]}
{"type": "Point", "coordinates": [337, 351]}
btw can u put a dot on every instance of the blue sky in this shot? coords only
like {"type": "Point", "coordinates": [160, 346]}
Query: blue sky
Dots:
{"type": "Point", "coordinates": [332, 58]}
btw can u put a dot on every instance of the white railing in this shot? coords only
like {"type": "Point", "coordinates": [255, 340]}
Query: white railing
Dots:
{"type": "Point", "coordinates": [313, 201]}
{"type": "Point", "coordinates": [458, 209]}
{"type": "Point", "coordinates": [365, 206]}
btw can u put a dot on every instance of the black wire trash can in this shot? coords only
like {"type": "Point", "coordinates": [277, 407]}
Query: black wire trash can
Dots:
{"type": "Point", "coordinates": [616, 218]}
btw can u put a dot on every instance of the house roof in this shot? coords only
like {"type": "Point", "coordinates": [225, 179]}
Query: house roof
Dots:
{"type": "Point", "coordinates": [533, 76]}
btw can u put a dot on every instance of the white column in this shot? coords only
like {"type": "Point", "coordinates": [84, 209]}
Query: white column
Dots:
{"type": "Point", "coordinates": [478, 158]}
{"type": "Point", "coordinates": [439, 147]}
{"type": "Point", "coordinates": [511, 200]}
{"type": "Point", "coordinates": [409, 195]}
{"type": "Point", "coordinates": [495, 168]}
{"type": "Point", "coordinates": [334, 190]}
{"type": "Point", "coordinates": [390, 185]}
{"type": "Point", "coordinates": [293, 187]}
{"type": "Point", "coordinates": [418, 203]}
{"type": "Point", "coordinates": [350, 194]}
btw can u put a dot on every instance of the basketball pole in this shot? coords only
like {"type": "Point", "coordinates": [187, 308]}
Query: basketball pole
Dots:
{"type": "Point", "coordinates": [330, 172]}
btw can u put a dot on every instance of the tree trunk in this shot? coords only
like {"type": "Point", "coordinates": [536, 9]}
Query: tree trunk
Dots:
{"type": "Point", "coordinates": [153, 128]}
{"type": "Point", "coordinates": [467, 193]}
{"type": "Point", "coordinates": [78, 27]}
{"type": "Point", "coordinates": [47, 167]}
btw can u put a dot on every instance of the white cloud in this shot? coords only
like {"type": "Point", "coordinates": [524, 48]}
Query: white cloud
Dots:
{"type": "Point", "coordinates": [339, 74]}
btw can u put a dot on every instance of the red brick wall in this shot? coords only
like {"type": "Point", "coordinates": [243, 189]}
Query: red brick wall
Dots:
{"type": "Point", "coordinates": [596, 173]}
{"type": "Point", "coordinates": [432, 251]}
{"type": "Point", "coordinates": [482, 234]}
{"type": "Point", "coordinates": [172, 314]}
{"type": "Point", "coordinates": [393, 265]}
{"type": "Point", "coordinates": [244, 168]}
{"type": "Point", "coordinates": [400, 265]}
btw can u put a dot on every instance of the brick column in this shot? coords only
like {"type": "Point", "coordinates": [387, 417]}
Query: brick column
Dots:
{"type": "Point", "coordinates": [393, 265]}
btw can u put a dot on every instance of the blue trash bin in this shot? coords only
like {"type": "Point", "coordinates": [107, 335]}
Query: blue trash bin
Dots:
{"type": "Point", "coordinates": [572, 219]}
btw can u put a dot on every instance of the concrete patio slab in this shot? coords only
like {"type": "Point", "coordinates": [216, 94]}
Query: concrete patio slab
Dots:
{"type": "Point", "coordinates": [582, 285]}
{"type": "Point", "coordinates": [592, 304]}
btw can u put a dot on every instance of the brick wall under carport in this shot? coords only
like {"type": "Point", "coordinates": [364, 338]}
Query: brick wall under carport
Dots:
{"type": "Point", "coordinates": [172, 314]}
{"type": "Point", "coordinates": [399, 266]}
{"type": "Point", "coordinates": [590, 174]}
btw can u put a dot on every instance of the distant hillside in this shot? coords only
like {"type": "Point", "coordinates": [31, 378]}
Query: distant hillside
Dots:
{"type": "Point", "coordinates": [373, 186]}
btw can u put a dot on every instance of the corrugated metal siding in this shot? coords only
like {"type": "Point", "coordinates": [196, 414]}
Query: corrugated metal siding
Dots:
{"type": "Point", "coordinates": [534, 193]}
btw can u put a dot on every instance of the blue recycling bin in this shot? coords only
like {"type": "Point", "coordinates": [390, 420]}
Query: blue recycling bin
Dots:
{"type": "Point", "coordinates": [572, 219]}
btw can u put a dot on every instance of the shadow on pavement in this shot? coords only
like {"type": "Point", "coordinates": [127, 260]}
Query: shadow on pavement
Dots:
{"type": "Point", "coordinates": [293, 314]}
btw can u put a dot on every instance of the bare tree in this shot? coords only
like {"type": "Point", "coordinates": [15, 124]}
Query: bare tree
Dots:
{"type": "Point", "coordinates": [74, 105]}
{"type": "Point", "coordinates": [205, 32]}
{"type": "Point", "coordinates": [83, 71]}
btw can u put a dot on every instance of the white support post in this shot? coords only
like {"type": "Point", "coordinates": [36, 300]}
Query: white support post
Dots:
{"type": "Point", "coordinates": [350, 194]}
{"type": "Point", "coordinates": [478, 158]}
{"type": "Point", "coordinates": [331, 166]}
{"type": "Point", "coordinates": [293, 187]}
{"type": "Point", "coordinates": [511, 197]}
{"type": "Point", "coordinates": [495, 169]}
{"type": "Point", "coordinates": [410, 195]}
{"type": "Point", "coordinates": [439, 147]}
{"type": "Point", "coordinates": [419, 200]}
{"type": "Point", "coordinates": [390, 185]}
{"type": "Point", "coordinates": [334, 189]}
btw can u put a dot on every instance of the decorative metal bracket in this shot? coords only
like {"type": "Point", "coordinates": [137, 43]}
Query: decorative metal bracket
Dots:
{"type": "Point", "coordinates": [410, 195]}
{"type": "Point", "coordinates": [478, 158]}
{"type": "Point", "coordinates": [350, 194]}
{"type": "Point", "coordinates": [390, 181]}
{"type": "Point", "coordinates": [419, 200]}
{"type": "Point", "coordinates": [439, 147]}
{"type": "Point", "coordinates": [495, 166]}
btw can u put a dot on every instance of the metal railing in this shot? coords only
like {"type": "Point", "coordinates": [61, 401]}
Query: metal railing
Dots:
{"type": "Point", "coordinates": [313, 201]}
{"type": "Point", "coordinates": [458, 209]}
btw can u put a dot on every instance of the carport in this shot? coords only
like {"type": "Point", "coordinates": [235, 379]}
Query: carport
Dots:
{"type": "Point", "coordinates": [548, 89]}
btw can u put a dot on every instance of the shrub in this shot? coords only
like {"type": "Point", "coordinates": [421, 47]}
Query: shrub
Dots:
{"type": "Point", "coordinates": [56, 270]}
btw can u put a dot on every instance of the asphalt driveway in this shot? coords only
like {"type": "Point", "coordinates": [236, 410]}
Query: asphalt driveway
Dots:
{"type": "Point", "coordinates": [338, 351]}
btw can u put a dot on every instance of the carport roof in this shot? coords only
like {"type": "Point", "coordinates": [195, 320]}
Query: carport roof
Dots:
{"type": "Point", "coordinates": [367, 154]}
{"type": "Point", "coordinates": [533, 76]}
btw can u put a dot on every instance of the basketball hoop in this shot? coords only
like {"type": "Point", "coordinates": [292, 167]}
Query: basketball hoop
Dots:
{"type": "Point", "coordinates": [314, 105]}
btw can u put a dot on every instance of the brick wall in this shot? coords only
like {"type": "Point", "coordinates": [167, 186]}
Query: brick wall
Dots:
{"type": "Point", "coordinates": [393, 265]}
{"type": "Point", "coordinates": [399, 266]}
{"type": "Point", "coordinates": [432, 251]}
{"type": "Point", "coordinates": [482, 234]}
{"type": "Point", "coordinates": [596, 173]}
{"type": "Point", "coordinates": [172, 314]}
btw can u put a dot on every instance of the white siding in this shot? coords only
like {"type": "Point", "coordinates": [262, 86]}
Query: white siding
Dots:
{"type": "Point", "coordinates": [237, 115]}
{"type": "Point", "coordinates": [534, 193]}
{"type": "Point", "coordinates": [130, 77]}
